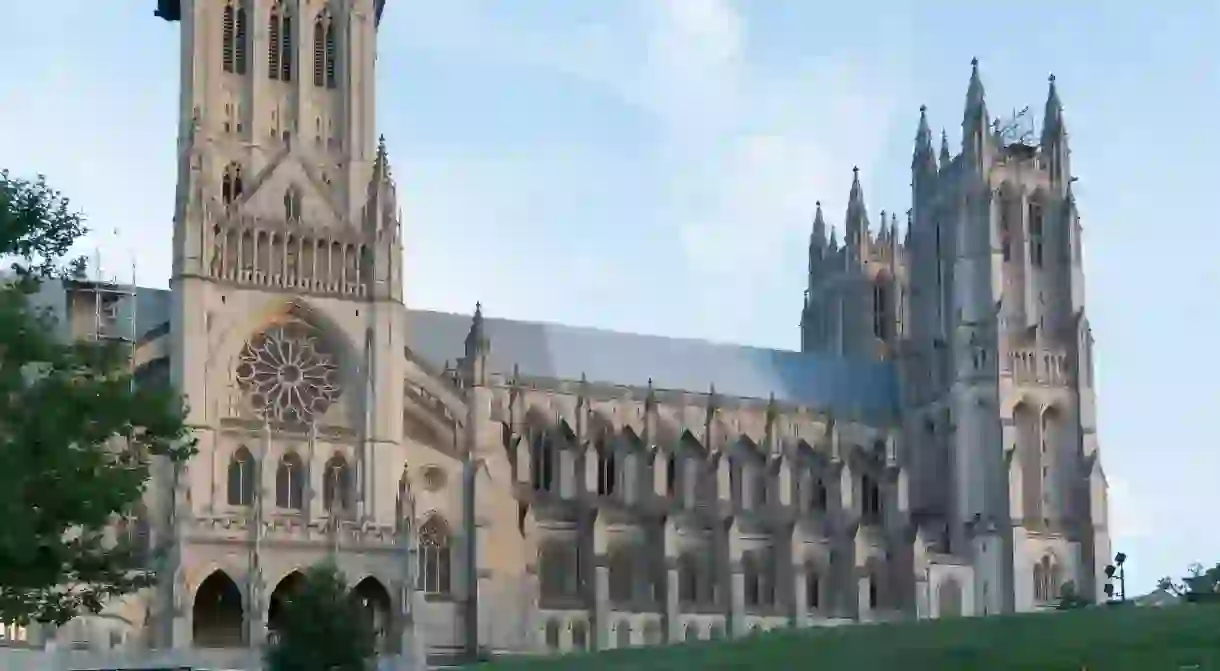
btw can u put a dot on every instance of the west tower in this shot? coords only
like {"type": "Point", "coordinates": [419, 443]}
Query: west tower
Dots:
{"type": "Point", "coordinates": [287, 328]}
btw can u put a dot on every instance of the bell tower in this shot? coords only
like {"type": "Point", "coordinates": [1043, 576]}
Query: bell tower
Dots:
{"type": "Point", "coordinates": [286, 231]}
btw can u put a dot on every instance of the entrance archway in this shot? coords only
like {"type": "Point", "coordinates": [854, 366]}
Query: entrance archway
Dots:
{"type": "Point", "coordinates": [218, 614]}
{"type": "Point", "coordinates": [284, 590]}
{"type": "Point", "coordinates": [375, 600]}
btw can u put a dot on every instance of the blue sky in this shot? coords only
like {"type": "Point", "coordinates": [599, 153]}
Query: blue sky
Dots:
{"type": "Point", "coordinates": [652, 166]}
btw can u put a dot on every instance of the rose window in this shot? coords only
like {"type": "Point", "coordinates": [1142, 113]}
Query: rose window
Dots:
{"type": "Point", "coordinates": [288, 374]}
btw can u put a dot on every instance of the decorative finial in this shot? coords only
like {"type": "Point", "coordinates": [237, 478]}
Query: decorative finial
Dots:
{"type": "Point", "coordinates": [1051, 79]}
{"type": "Point", "coordinates": [974, 62]}
{"type": "Point", "coordinates": [923, 108]}
{"type": "Point", "coordinates": [478, 307]}
{"type": "Point", "coordinates": [818, 204]}
{"type": "Point", "coordinates": [855, 169]}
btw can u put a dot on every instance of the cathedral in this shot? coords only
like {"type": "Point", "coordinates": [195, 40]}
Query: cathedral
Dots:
{"type": "Point", "coordinates": [494, 487]}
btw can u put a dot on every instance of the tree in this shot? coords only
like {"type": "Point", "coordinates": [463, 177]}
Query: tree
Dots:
{"type": "Point", "coordinates": [77, 436]}
{"type": "Point", "coordinates": [1199, 585]}
{"type": "Point", "coordinates": [322, 626]}
{"type": "Point", "coordinates": [1069, 599]}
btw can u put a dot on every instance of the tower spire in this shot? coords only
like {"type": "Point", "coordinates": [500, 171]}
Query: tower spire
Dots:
{"type": "Point", "coordinates": [945, 156]}
{"type": "Point", "coordinates": [856, 222]}
{"type": "Point", "coordinates": [1055, 138]}
{"type": "Point", "coordinates": [975, 120]}
{"type": "Point", "coordinates": [923, 158]}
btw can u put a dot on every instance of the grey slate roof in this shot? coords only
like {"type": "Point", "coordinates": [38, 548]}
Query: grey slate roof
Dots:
{"type": "Point", "coordinates": [546, 350]}
{"type": "Point", "coordinates": [566, 352]}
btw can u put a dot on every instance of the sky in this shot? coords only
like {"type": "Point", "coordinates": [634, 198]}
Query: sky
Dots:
{"type": "Point", "coordinates": [652, 166]}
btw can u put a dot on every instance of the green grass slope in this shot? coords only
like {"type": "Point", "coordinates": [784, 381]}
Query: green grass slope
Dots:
{"type": "Point", "coordinates": [1175, 638]}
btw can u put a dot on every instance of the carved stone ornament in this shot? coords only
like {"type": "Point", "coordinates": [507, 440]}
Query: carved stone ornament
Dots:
{"type": "Point", "coordinates": [288, 374]}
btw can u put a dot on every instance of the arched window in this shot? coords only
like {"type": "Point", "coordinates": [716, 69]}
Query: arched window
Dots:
{"type": "Point", "coordinates": [758, 486]}
{"type": "Point", "coordinates": [433, 577]}
{"type": "Point", "coordinates": [881, 309]}
{"type": "Point", "coordinates": [542, 462]}
{"type": "Point", "coordinates": [290, 482]}
{"type": "Point", "coordinates": [813, 588]}
{"type": "Point", "coordinates": [818, 498]}
{"type": "Point", "coordinates": [622, 576]}
{"type": "Point", "coordinates": [1035, 233]}
{"type": "Point", "coordinates": [229, 34]}
{"type": "Point", "coordinates": [752, 574]}
{"type": "Point", "coordinates": [671, 474]}
{"type": "Point", "coordinates": [230, 184]}
{"type": "Point", "coordinates": [870, 492]}
{"type": "Point", "coordinates": [559, 570]}
{"type": "Point", "coordinates": [552, 635]}
{"type": "Point", "coordinates": [1006, 214]}
{"type": "Point", "coordinates": [241, 478]}
{"type": "Point", "coordinates": [279, 43]}
{"type": "Point", "coordinates": [292, 204]}
{"type": "Point", "coordinates": [607, 469]}
{"type": "Point", "coordinates": [233, 50]}
{"type": "Point", "coordinates": [874, 598]}
{"type": "Point", "coordinates": [336, 485]}
{"type": "Point", "coordinates": [324, 51]}
{"type": "Point", "coordinates": [688, 579]}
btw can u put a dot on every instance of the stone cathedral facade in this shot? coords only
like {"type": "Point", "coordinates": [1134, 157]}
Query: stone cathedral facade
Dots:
{"type": "Point", "coordinates": [494, 486]}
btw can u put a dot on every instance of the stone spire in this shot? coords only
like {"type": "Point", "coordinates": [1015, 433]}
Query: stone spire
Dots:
{"type": "Point", "coordinates": [1054, 137]}
{"type": "Point", "coordinates": [923, 159]}
{"type": "Point", "coordinates": [856, 222]}
{"type": "Point", "coordinates": [945, 156]}
{"type": "Point", "coordinates": [975, 121]}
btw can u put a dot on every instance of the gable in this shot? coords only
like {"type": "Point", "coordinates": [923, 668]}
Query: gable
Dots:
{"type": "Point", "coordinates": [266, 196]}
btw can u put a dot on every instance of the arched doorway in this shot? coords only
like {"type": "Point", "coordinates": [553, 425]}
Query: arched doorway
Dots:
{"type": "Point", "coordinates": [218, 616]}
{"type": "Point", "coordinates": [284, 590]}
{"type": "Point", "coordinates": [375, 600]}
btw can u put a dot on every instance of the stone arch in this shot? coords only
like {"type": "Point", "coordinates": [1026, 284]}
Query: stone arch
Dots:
{"type": "Point", "coordinates": [748, 474]}
{"type": "Point", "coordinates": [690, 632]}
{"type": "Point", "coordinates": [218, 614]}
{"type": "Point", "coordinates": [435, 555]}
{"type": "Point", "coordinates": [290, 482]}
{"type": "Point", "coordinates": [337, 485]}
{"type": "Point", "coordinates": [275, 311]}
{"type": "Point", "coordinates": [1026, 421]}
{"type": "Point", "coordinates": [558, 568]}
{"type": "Point", "coordinates": [949, 598]}
{"type": "Point", "coordinates": [377, 606]}
{"type": "Point", "coordinates": [1048, 578]}
{"type": "Point", "coordinates": [580, 634]}
{"type": "Point", "coordinates": [241, 477]}
{"type": "Point", "coordinates": [292, 364]}
{"type": "Point", "coordinates": [622, 573]}
{"type": "Point", "coordinates": [284, 590]}
{"type": "Point", "coordinates": [622, 634]}
{"type": "Point", "coordinates": [552, 634]}
{"type": "Point", "coordinates": [1053, 432]}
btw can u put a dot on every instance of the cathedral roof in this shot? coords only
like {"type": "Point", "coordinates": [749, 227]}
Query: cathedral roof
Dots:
{"type": "Point", "coordinates": [559, 351]}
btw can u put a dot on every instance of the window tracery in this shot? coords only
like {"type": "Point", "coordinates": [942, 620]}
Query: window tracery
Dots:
{"type": "Point", "coordinates": [288, 374]}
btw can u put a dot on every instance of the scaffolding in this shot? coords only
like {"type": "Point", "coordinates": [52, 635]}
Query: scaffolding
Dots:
{"type": "Point", "coordinates": [103, 307]}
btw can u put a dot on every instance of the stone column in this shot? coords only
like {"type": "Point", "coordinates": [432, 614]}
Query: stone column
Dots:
{"type": "Point", "coordinates": [737, 600]}
{"type": "Point", "coordinates": [800, 605]}
{"type": "Point", "coordinates": [673, 614]}
{"type": "Point", "coordinates": [601, 629]}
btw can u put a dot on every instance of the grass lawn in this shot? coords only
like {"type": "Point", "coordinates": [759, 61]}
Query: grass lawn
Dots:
{"type": "Point", "coordinates": [1099, 639]}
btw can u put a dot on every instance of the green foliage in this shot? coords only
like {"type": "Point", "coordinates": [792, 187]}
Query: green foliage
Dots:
{"type": "Point", "coordinates": [1069, 599]}
{"type": "Point", "coordinates": [322, 627]}
{"type": "Point", "coordinates": [1109, 639]}
{"type": "Point", "coordinates": [1198, 586]}
{"type": "Point", "coordinates": [77, 437]}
